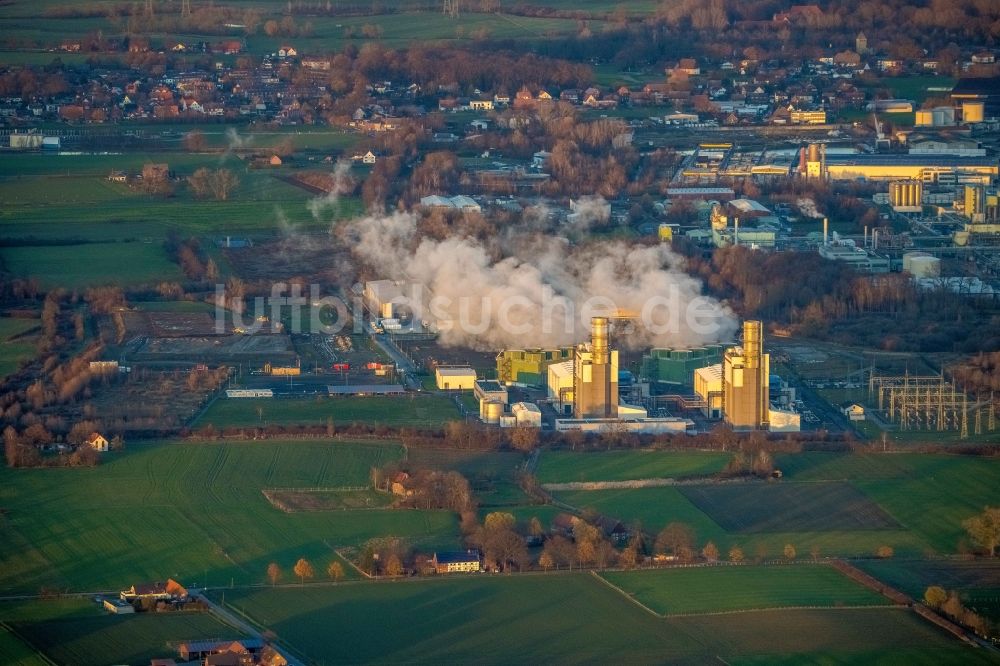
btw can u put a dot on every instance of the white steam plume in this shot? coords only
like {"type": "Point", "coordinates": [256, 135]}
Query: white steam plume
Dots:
{"type": "Point", "coordinates": [588, 212]}
{"type": "Point", "coordinates": [808, 208]}
{"type": "Point", "coordinates": [542, 291]}
{"type": "Point", "coordinates": [341, 185]}
{"type": "Point", "coordinates": [236, 142]}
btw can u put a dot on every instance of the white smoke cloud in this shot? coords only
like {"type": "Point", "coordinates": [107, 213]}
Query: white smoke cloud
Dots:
{"type": "Point", "coordinates": [236, 142]}
{"type": "Point", "coordinates": [342, 184]}
{"type": "Point", "coordinates": [808, 208]}
{"type": "Point", "coordinates": [541, 291]}
{"type": "Point", "coordinates": [588, 212]}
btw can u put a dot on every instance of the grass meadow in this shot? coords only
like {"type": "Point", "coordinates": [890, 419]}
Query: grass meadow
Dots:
{"type": "Point", "coordinates": [408, 410]}
{"type": "Point", "coordinates": [16, 343]}
{"type": "Point", "coordinates": [92, 264]}
{"type": "Point", "coordinates": [193, 511]}
{"type": "Point", "coordinates": [567, 618]}
{"type": "Point", "coordinates": [68, 198]}
{"type": "Point", "coordinates": [727, 588]}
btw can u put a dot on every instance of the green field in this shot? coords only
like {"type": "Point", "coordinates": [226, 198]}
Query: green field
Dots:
{"type": "Point", "coordinates": [68, 197]}
{"type": "Point", "coordinates": [789, 507]}
{"type": "Point", "coordinates": [14, 349]}
{"type": "Point", "coordinates": [78, 632]}
{"type": "Point", "coordinates": [928, 496]}
{"type": "Point", "coordinates": [193, 511]}
{"type": "Point", "coordinates": [408, 410]}
{"type": "Point", "coordinates": [15, 652]}
{"type": "Point", "coordinates": [78, 266]}
{"type": "Point", "coordinates": [564, 466]}
{"type": "Point", "coordinates": [977, 581]}
{"type": "Point", "coordinates": [653, 508]}
{"type": "Point", "coordinates": [727, 588]}
{"type": "Point", "coordinates": [566, 618]}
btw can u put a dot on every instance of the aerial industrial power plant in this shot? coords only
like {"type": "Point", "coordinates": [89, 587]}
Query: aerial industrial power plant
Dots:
{"type": "Point", "coordinates": [683, 315]}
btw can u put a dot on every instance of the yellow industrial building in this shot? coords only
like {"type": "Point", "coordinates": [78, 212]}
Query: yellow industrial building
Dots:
{"type": "Point", "coordinates": [816, 163]}
{"type": "Point", "coordinates": [746, 381]}
{"type": "Point", "coordinates": [451, 378]}
{"type": "Point", "coordinates": [529, 366]}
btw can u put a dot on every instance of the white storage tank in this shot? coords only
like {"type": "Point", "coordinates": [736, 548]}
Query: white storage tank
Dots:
{"type": "Point", "coordinates": [925, 267]}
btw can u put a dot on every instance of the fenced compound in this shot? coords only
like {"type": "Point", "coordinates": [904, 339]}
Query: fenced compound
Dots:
{"type": "Point", "coordinates": [929, 403]}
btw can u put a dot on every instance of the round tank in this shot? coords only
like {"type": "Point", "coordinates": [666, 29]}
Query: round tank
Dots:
{"type": "Point", "coordinates": [925, 267]}
{"type": "Point", "coordinates": [494, 410]}
{"type": "Point", "coordinates": [924, 118]}
{"type": "Point", "coordinates": [973, 112]}
{"type": "Point", "coordinates": [908, 258]}
{"type": "Point", "coordinates": [814, 152]}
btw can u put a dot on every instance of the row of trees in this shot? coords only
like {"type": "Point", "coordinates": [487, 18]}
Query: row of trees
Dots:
{"type": "Point", "coordinates": [304, 571]}
{"type": "Point", "coordinates": [949, 604]}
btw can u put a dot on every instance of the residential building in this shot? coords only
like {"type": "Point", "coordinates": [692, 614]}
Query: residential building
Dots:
{"type": "Point", "coordinates": [467, 561]}
{"type": "Point", "coordinates": [97, 442]}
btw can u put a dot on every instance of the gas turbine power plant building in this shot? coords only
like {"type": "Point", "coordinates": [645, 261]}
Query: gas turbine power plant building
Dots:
{"type": "Point", "coordinates": [745, 381]}
{"type": "Point", "coordinates": [738, 390]}
{"type": "Point", "coordinates": [595, 396]}
{"type": "Point", "coordinates": [595, 375]}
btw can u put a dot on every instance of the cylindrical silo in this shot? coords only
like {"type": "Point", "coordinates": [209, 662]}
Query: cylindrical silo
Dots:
{"type": "Point", "coordinates": [494, 410]}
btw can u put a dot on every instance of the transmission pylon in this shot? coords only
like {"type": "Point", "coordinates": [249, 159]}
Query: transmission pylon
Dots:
{"type": "Point", "coordinates": [965, 420]}
{"type": "Point", "coordinates": [450, 8]}
{"type": "Point", "coordinates": [185, 8]}
{"type": "Point", "coordinates": [149, 8]}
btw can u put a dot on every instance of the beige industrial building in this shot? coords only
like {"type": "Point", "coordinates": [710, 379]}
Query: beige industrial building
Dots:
{"type": "Point", "coordinates": [560, 385]}
{"type": "Point", "coordinates": [382, 296]}
{"type": "Point", "coordinates": [921, 265]}
{"type": "Point", "coordinates": [801, 117]}
{"type": "Point", "coordinates": [527, 414]}
{"type": "Point", "coordinates": [595, 375]}
{"type": "Point", "coordinates": [451, 378]}
{"type": "Point", "coordinates": [745, 381]}
{"type": "Point", "coordinates": [708, 387]}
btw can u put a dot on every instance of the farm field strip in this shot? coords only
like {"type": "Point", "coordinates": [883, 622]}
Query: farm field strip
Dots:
{"type": "Point", "coordinates": [721, 589]}
{"type": "Point", "coordinates": [383, 410]}
{"type": "Point", "coordinates": [567, 466]}
{"type": "Point", "coordinates": [653, 508]}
